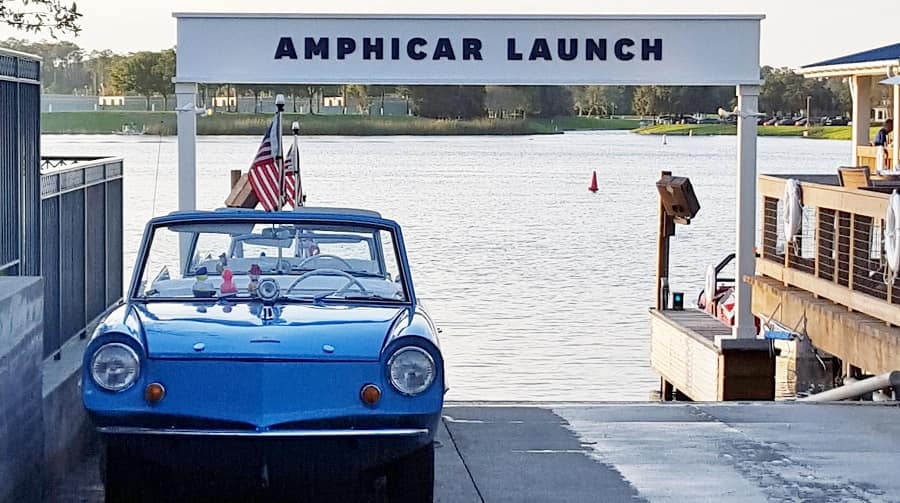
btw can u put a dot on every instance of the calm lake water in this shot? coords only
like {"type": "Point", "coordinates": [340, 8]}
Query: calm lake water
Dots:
{"type": "Point", "coordinates": [541, 287]}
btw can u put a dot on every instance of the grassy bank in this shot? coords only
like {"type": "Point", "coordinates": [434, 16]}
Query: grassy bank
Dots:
{"type": "Point", "coordinates": [353, 125]}
{"type": "Point", "coordinates": [816, 132]}
{"type": "Point", "coordinates": [595, 123]}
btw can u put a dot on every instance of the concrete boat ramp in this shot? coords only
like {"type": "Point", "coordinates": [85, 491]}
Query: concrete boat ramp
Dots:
{"type": "Point", "coordinates": [755, 452]}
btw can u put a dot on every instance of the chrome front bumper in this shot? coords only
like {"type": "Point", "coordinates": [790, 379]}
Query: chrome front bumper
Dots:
{"type": "Point", "coordinates": [395, 432]}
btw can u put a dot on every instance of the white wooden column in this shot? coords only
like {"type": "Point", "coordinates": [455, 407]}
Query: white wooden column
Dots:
{"type": "Point", "coordinates": [896, 116]}
{"type": "Point", "coordinates": [186, 99]}
{"type": "Point", "coordinates": [861, 91]}
{"type": "Point", "coordinates": [745, 211]}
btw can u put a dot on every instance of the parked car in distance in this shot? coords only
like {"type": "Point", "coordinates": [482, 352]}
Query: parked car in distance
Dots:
{"type": "Point", "coordinates": [707, 120]}
{"type": "Point", "coordinates": [836, 121]}
{"type": "Point", "coordinates": [290, 347]}
{"type": "Point", "coordinates": [787, 121]}
{"type": "Point", "coordinates": [771, 121]}
{"type": "Point", "coordinates": [801, 121]}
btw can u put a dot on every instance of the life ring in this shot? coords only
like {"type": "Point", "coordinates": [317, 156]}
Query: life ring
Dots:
{"type": "Point", "coordinates": [793, 211]}
{"type": "Point", "coordinates": [892, 232]}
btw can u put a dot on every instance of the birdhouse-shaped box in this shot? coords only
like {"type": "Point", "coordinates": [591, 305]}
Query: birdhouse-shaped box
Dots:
{"type": "Point", "coordinates": [678, 198]}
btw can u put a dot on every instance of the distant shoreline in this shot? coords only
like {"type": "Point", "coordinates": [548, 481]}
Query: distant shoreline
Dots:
{"type": "Point", "coordinates": [155, 123]}
{"type": "Point", "coordinates": [815, 132]}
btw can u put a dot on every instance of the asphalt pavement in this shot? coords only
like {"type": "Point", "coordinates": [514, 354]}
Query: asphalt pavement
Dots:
{"type": "Point", "coordinates": [626, 452]}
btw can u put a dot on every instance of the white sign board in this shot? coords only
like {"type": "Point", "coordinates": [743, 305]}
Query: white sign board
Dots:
{"type": "Point", "coordinates": [428, 49]}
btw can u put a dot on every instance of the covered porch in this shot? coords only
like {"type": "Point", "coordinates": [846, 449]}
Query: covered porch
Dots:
{"type": "Point", "coordinates": [864, 70]}
{"type": "Point", "coordinates": [826, 276]}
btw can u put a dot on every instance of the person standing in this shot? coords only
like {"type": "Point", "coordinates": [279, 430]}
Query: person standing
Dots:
{"type": "Point", "coordinates": [881, 137]}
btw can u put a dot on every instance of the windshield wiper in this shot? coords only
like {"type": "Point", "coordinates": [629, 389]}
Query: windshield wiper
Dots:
{"type": "Point", "coordinates": [353, 296]}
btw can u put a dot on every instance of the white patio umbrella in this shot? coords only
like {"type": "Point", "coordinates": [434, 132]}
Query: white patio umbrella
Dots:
{"type": "Point", "coordinates": [893, 81]}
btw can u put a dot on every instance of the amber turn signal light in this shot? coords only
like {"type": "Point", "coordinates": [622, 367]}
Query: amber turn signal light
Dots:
{"type": "Point", "coordinates": [370, 394]}
{"type": "Point", "coordinates": [154, 392]}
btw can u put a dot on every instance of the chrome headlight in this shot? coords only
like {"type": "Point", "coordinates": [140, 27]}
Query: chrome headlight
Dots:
{"type": "Point", "coordinates": [411, 370]}
{"type": "Point", "coordinates": [115, 367]}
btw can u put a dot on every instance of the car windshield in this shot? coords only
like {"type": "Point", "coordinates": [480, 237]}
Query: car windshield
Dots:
{"type": "Point", "coordinates": [247, 260]}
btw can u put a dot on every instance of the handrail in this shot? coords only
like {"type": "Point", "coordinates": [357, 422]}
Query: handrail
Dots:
{"type": "Point", "coordinates": [721, 265]}
{"type": "Point", "coordinates": [839, 253]}
{"type": "Point", "coordinates": [861, 202]}
{"type": "Point", "coordinates": [81, 243]}
{"type": "Point", "coordinates": [867, 155]}
{"type": "Point", "coordinates": [62, 164]}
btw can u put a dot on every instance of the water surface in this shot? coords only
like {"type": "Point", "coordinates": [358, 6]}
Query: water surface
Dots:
{"type": "Point", "coordinates": [541, 287]}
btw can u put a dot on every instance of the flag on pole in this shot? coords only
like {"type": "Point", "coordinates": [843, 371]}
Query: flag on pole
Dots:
{"type": "Point", "coordinates": [292, 176]}
{"type": "Point", "coordinates": [264, 176]}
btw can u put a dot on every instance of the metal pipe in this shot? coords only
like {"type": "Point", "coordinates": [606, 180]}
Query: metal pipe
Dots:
{"type": "Point", "coordinates": [857, 389]}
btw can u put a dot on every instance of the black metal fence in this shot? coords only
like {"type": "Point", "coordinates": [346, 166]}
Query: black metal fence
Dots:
{"type": "Point", "coordinates": [81, 241]}
{"type": "Point", "coordinates": [20, 136]}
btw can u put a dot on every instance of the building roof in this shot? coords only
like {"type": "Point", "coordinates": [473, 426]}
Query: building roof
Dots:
{"type": "Point", "coordinates": [871, 62]}
{"type": "Point", "coordinates": [880, 54]}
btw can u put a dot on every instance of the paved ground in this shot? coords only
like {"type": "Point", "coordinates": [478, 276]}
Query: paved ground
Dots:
{"type": "Point", "coordinates": [651, 452]}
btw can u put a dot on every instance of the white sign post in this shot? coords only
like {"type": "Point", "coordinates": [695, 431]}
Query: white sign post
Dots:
{"type": "Point", "coordinates": [479, 50]}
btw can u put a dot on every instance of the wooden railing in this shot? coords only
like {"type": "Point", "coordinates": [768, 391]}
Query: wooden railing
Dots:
{"type": "Point", "coordinates": [868, 156]}
{"type": "Point", "coordinates": [839, 254]}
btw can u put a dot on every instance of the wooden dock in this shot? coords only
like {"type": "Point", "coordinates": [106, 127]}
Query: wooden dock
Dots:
{"type": "Point", "coordinates": [831, 283]}
{"type": "Point", "coordinates": [696, 356]}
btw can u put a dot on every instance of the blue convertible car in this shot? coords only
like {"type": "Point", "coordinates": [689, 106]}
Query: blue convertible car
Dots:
{"type": "Point", "coordinates": [282, 347]}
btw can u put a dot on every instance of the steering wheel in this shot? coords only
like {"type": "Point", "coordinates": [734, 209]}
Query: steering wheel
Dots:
{"type": "Point", "coordinates": [351, 281]}
{"type": "Point", "coordinates": [325, 255]}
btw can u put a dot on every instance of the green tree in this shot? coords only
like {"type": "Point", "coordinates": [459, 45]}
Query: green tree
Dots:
{"type": "Point", "coordinates": [358, 93]}
{"type": "Point", "coordinates": [449, 102]}
{"type": "Point", "coordinates": [404, 92]}
{"type": "Point", "coordinates": [550, 101]}
{"type": "Point", "coordinates": [38, 15]}
{"type": "Point", "coordinates": [783, 92]}
{"type": "Point", "coordinates": [164, 71]}
{"type": "Point", "coordinates": [63, 69]}
{"type": "Point", "coordinates": [254, 90]}
{"type": "Point", "coordinates": [379, 92]}
{"type": "Point", "coordinates": [843, 102]}
{"type": "Point", "coordinates": [99, 66]}
{"type": "Point", "coordinates": [137, 74]}
{"type": "Point", "coordinates": [587, 100]}
{"type": "Point", "coordinates": [506, 100]}
{"type": "Point", "coordinates": [652, 100]}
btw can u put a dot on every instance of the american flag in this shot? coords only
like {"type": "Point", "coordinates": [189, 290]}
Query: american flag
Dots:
{"type": "Point", "coordinates": [264, 176]}
{"type": "Point", "coordinates": [292, 168]}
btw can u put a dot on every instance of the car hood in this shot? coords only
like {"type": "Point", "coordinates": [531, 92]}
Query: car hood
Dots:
{"type": "Point", "coordinates": [296, 331]}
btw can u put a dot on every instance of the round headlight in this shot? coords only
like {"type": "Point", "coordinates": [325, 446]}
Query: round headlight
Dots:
{"type": "Point", "coordinates": [115, 367]}
{"type": "Point", "coordinates": [411, 370]}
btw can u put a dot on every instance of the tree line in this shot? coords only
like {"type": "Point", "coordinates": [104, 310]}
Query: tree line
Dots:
{"type": "Point", "coordinates": [69, 69]}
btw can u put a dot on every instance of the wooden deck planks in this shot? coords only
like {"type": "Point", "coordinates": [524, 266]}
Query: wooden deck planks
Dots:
{"type": "Point", "coordinates": [685, 351]}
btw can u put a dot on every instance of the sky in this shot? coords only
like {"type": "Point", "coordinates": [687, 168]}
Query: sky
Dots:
{"type": "Point", "coordinates": [794, 33]}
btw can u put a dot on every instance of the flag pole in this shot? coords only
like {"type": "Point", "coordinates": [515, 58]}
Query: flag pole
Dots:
{"type": "Point", "coordinates": [295, 165]}
{"type": "Point", "coordinates": [279, 153]}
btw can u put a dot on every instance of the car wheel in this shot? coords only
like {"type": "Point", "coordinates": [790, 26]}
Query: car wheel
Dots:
{"type": "Point", "coordinates": [125, 479]}
{"type": "Point", "coordinates": [411, 479]}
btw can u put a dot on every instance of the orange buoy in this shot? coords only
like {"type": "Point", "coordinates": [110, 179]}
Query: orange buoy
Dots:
{"type": "Point", "coordinates": [593, 187]}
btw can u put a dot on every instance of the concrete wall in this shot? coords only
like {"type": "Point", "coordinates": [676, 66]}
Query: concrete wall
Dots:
{"type": "Point", "coordinates": [44, 430]}
{"type": "Point", "coordinates": [21, 407]}
{"type": "Point", "coordinates": [68, 432]}
{"type": "Point", "coordinates": [72, 103]}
